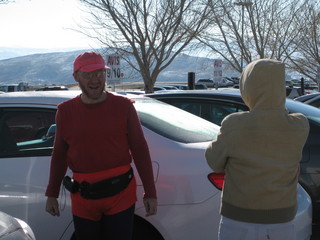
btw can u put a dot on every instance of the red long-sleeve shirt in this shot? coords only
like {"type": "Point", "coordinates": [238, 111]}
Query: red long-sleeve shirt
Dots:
{"type": "Point", "coordinates": [97, 137]}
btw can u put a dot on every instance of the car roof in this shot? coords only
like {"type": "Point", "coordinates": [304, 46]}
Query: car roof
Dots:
{"type": "Point", "coordinates": [220, 91]}
{"type": "Point", "coordinates": [36, 97]}
{"type": "Point", "coordinates": [43, 97]}
{"type": "Point", "coordinates": [306, 97]}
{"type": "Point", "coordinates": [52, 88]}
{"type": "Point", "coordinates": [232, 95]}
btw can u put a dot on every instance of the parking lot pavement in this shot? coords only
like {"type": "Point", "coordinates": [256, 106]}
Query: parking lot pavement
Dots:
{"type": "Point", "coordinates": [315, 232]}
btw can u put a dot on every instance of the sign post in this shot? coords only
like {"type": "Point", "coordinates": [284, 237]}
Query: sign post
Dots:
{"type": "Point", "coordinates": [318, 77]}
{"type": "Point", "coordinates": [217, 72]}
{"type": "Point", "coordinates": [114, 73]}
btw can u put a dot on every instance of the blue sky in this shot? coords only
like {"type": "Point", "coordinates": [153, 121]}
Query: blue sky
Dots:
{"type": "Point", "coordinates": [43, 24]}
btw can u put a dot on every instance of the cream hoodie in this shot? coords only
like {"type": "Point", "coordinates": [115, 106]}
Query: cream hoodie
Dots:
{"type": "Point", "coordinates": [260, 150]}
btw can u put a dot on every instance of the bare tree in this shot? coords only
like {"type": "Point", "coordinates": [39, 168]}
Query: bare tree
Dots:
{"type": "Point", "coordinates": [252, 29]}
{"type": "Point", "coordinates": [152, 32]}
{"type": "Point", "coordinates": [306, 59]}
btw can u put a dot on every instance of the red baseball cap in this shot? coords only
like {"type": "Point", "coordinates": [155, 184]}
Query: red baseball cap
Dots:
{"type": "Point", "coordinates": [88, 62]}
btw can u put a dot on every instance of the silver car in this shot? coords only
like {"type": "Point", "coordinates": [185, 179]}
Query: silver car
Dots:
{"type": "Point", "coordinates": [14, 229]}
{"type": "Point", "coordinates": [188, 200]}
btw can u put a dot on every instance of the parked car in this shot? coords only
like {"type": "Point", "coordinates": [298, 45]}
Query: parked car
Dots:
{"type": "Point", "coordinates": [52, 88]}
{"type": "Point", "coordinates": [235, 80]}
{"type": "Point", "coordinates": [188, 202]}
{"type": "Point", "coordinates": [312, 99]}
{"type": "Point", "coordinates": [216, 83]}
{"type": "Point", "coordinates": [14, 87]}
{"type": "Point", "coordinates": [306, 97]}
{"type": "Point", "coordinates": [208, 82]}
{"type": "Point", "coordinates": [180, 86]}
{"type": "Point", "coordinates": [308, 84]}
{"type": "Point", "coordinates": [293, 92]}
{"type": "Point", "coordinates": [167, 87]}
{"type": "Point", "coordinates": [226, 82]}
{"type": "Point", "coordinates": [185, 86]}
{"type": "Point", "coordinates": [137, 92]}
{"type": "Point", "coordinates": [164, 87]}
{"type": "Point", "coordinates": [12, 228]}
{"type": "Point", "coordinates": [157, 88]}
{"type": "Point", "coordinates": [214, 105]}
{"type": "Point", "coordinates": [200, 86]}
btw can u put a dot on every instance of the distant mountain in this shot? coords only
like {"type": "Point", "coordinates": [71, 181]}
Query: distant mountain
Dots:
{"type": "Point", "coordinates": [10, 52]}
{"type": "Point", "coordinates": [38, 69]}
{"type": "Point", "coordinates": [6, 53]}
{"type": "Point", "coordinates": [56, 68]}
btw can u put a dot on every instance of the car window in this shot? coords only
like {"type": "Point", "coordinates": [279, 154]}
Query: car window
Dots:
{"type": "Point", "coordinates": [174, 123]}
{"type": "Point", "coordinates": [312, 113]}
{"type": "Point", "coordinates": [23, 132]}
{"type": "Point", "coordinates": [219, 111]}
{"type": "Point", "coordinates": [315, 102]}
{"type": "Point", "coordinates": [214, 112]}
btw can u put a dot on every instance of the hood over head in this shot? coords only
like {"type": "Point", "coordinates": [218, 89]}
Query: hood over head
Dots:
{"type": "Point", "coordinates": [262, 84]}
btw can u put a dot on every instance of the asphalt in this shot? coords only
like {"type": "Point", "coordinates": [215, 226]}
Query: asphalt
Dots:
{"type": "Point", "coordinates": [315, 232]}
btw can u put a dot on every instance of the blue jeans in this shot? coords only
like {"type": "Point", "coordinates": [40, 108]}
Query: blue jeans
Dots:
{"type": "Point", "coordinates": [235, 230]}
{"type": "Point", "coordinates": [112, 227]}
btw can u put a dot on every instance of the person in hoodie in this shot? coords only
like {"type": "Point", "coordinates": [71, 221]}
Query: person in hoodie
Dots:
{"type": "Point", "coordinates": [259, 151]}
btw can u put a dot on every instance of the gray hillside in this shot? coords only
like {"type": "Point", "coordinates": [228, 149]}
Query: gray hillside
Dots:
{"type": "Point", "coordinates": [38, 69]}
{"type": "Point", "coordinates": [56, 68]}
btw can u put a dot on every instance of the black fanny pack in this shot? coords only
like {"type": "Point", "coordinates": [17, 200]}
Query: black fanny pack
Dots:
{"type": "Point", "coordinates": [101, 189]}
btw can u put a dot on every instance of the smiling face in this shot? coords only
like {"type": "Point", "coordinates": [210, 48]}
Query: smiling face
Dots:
{"type": "Point", "coordinates": [92, 85]}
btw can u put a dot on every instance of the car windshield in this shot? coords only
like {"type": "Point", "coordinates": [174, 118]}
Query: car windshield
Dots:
{"type": "Point", "coordinates": [312, 113]}
{"type": "Point", "coordinates": [173, 123]}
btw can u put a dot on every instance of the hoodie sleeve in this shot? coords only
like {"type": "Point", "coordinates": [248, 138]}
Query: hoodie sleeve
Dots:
{"type": "Point", "coordinates": [216, 153]}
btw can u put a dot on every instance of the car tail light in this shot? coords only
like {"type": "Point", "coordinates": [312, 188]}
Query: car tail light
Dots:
{"type": "Point", "coordinates": [217, 179]}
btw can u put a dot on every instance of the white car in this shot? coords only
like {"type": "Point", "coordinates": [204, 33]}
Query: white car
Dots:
{"type": "Point", "coordinates": [188, 200]}
{"type": "Point", "coordinates": [12, 228]}
{"type": "Point", "coordinates": [208, 82]}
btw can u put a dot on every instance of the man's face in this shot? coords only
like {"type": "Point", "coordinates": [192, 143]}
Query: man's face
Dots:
{"type": "Point", "coordinates": [92, 83]}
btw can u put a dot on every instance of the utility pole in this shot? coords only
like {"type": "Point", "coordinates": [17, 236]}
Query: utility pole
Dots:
{"type": "Point", "coordinates": [318, 77]}
{"type": "Point", "coordinates": [243, 4]}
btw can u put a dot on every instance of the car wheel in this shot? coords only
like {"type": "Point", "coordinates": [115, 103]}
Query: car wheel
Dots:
{"type": "Point", "coordinates": [73, 237]}
{"type": "Point", "coordinates": [144, 230]}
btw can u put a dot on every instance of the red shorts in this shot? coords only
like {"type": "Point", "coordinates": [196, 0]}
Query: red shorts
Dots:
{"type": "Point", "coordinates": [93, 209]}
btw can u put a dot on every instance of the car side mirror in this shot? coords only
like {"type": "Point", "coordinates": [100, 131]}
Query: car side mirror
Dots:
{"type": "Point", "coordinates": [51, 131]}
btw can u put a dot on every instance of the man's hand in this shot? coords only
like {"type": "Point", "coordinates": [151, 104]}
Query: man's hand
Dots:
{"type": "Point", "coordinates": [151, 205]}
{"type": "Point", "coordinates": [52, 206]}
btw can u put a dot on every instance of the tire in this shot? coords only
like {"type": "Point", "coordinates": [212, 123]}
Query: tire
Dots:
{"type": "Point", "coordinates": [141, 230]}
{"type": "Point", "coordinates": [144, 230]}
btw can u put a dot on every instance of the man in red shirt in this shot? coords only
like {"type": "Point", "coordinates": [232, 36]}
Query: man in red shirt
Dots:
{"type": "Point", "coordinates": [98, 134]}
